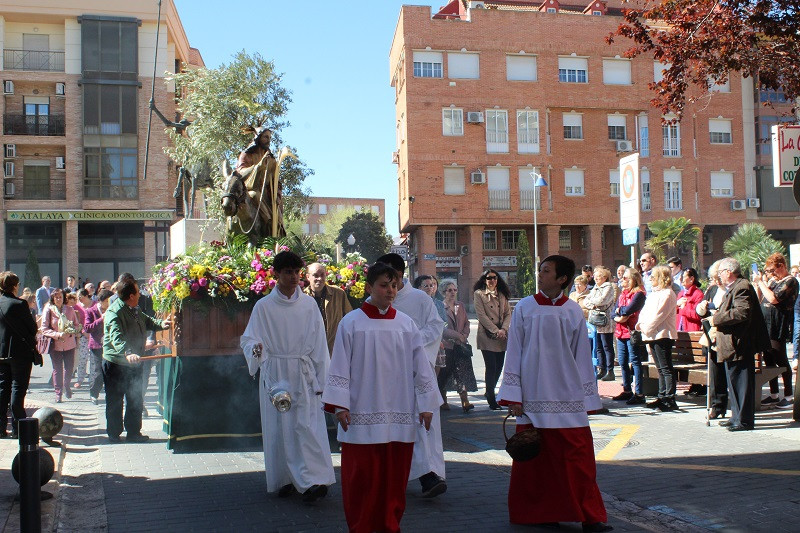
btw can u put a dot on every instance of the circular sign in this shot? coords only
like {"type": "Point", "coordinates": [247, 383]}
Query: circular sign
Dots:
{"type": "Point", "coordinates": [796, 189]}
{"type": "Point", "coordinates": [627, 182]}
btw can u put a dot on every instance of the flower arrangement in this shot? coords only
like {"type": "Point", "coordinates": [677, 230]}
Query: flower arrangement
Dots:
{"type": "Point", "coordinates": [350, 275]}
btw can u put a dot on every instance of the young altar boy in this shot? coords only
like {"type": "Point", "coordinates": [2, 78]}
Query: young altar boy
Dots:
{"type": "Point", "coordinates": [379, 378]}
{"type": "Point", "coordinates": [549, 381]}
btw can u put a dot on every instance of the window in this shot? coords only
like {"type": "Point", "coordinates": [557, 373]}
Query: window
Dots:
{"type": "Point", "coordinates": [573, 126]}
{"type": "Point", "coordinates": [109, 109]}
{"type": "Point", "coordinates": [672, 139]}
{"type": "Point", "coordinates": [109, 49]}
{"type": "Point", "coordinates": [323, 209]}
{"type": "Point", "coordinates": [613, 180]}
{"type": "Point", "coordinates": [722, 184]}
{"type": "Point", "coordinates": [521, 68]}
{"type": "Point", "coordinates": [644, 140]}
{"type": "Point", "coordinates": [463, 66]}
{"type": "Point", "coordinates": [452, 121]}
{"type": "Point", "coordinates": [445, 240]}
{"type": "Point", "coordinates": [454, 180]}
{"type": "Point", "coordinates": [110, 173]}
{"type": "Point", "coordinates": [573, 69]}
{"type": "Point", "coordinates": [528, 194]}
{"type": "Point", "coordinates": [321, 228]}
{"type": "Point", "coordinates": [490, 240]}
{"type": "Point", "coordinates": [573, 182]}
{"type": "Point", "coordinates": [510, 238]}
{"type": "Point", "coordinates": [552, 10]}
{"type": "Point", "coordinates": [427, 64]}
{"type": "Point", "coordinates": [36, 181]}
{"type": "Point", "coordinates": [565, 239]}
{"type": "Point", "coordinates": [715, 87]}
{"type": "Point", "coordinates": [583, 238]}
{"type": "Point", "coordinates": [376, 209]}
{"type": "Point", "coordinates": [616, 128]}
{"type": "Point", "coordinates": [617, 71]}
{"type": "Point", "coordinates": [499, 188]}
{"type": "Point", "coordinates": [597, 13]}
{"type": "Point", "coordinates": [658, 70]}
{"type": "Point", "coordinates": [37, 115]}
{"type": "Point", "coordinates": [644, 177]}
{"type": "Point", "coordinates": [771, 95]}
{"type": "Point", "coordinates": [496, 131]}
{"type": "Point", "coordinates": [306, 229]}
{"type": "Point", "coordinates": [672, 190]}
{"type": "Point", "coordinates": [719, 131]}
{"type": "Point", "coordinates": [527, 132]}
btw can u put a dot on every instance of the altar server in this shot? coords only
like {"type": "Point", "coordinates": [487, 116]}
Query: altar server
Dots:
{"type": "Point", "coordinates": [285, 340]}
{"type": "Point", "coordinates": [428, 462]}
{"type": "Point", "coordinates": [549, 381]}
{"type": "Point", "coordinates": [382, 387]}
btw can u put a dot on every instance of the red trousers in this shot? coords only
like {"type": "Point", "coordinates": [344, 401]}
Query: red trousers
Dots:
{"type": "Point", "coordinates": [374, 479]}
{"type": "Point", "coordinates": [560, 484]}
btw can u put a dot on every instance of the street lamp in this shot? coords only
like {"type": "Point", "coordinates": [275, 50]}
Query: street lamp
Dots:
{"type": "Point", "coordinates": [351, 241]}
{"type": "Point", "coordinates": [538, 181]}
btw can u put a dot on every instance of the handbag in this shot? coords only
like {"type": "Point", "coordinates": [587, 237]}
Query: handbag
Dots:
{"type": "Point", "coordinates": [523, 445]}
{"type": "Point", "coordinates": [598, 318]}
{"type": "Point", "coordinates": [636, 338]}
{"type": "Point", "coordinates": [43, 343]}
{"type": "Point", "coordinates": [463, 351]}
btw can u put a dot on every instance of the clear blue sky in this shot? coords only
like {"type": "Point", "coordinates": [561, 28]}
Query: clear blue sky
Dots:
{"type": "Point", "coordinates": [335, 60]}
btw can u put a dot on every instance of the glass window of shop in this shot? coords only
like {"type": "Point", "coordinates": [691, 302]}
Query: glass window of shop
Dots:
{"type": "Point", "coordinates": [105, 250]}
{"type": "Point", "coordinates": [43, 241]}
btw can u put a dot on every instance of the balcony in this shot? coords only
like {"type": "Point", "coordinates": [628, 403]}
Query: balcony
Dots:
{"type": "Point", "coordinates": [500, 200]}
{"type": "Point", "coordinates": [527, 200]}
{"type": "Point", "coordinates": [36, 60]}
{"type": "Point", "coordinates": [52, 125]}
{"type": "Point", "coordinates": [54, 188]}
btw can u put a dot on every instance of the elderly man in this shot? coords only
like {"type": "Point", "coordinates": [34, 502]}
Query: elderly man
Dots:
{"type": "Point", "coordinates": [332, 301]}
{"type": "Point", "coordinates": [741, 333]}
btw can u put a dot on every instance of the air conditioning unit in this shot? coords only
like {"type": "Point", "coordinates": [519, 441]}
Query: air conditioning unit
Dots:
{"type": "Point", "coordinates": [8, 169]}
{"type": "Point", "coordinates": [754, 202]}
{"type": "Point", "coordinates": [61, 89]}
{"type": "Point", "coordinates": [624, 146]}
{"type": "Point", "coordinates": [477, 177]}
{"type": "Point", "coordinates": [464, 250]}
{"type": "Point", "coordinates": [8, 87]}
{"type": "Point", "coordinates": [8, 189]}
{"type": "Point", "coordinates": [60, 163]}
{"type": "Point", "coordinates": [738, 205]}
{"type": "Point", "coordinates": [10, 150]}
{"type": "Point", "coordinates": [474, 117]}
{"type": "Point", "coordinates": [708, 244]}
{"type": "Point", "coordinates": [396, 157]}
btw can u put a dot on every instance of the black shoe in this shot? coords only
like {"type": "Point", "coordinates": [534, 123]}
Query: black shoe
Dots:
{"type": "Point", "coordinates": [637, 399]}
{"type": "Point", "coordinates": [286, 491]}
{"type": "Point", "coordinates": [668, 405]}
{"type": "Point", "coordinates": [95, 401]}
{"type": "Point", "coordinates": [139, 438]}
{"type": "Point", "coordinates": [432, 485]}
{"type": "Point", "coordinates": [114, 439]}
{"type": "Point", "coordinates": [726, 423]}
{"type": "Point", "coordinates": [655, 404]}
{"type": "Point", "coordinates": [623, 396]}
{"type": "Point", "coordinates": [547, 525]}
{"type": "Point", "coordinates": [495, 407]}
{"type": "Point", "coordinates": [315, 493]}
{"type": "Point", "coordinates": [716, 413]}
{"type": "Point", "coordinates": [597, 527]}
{"type": "Point", "coordinates": [600, 374]}
{"type": "Point", "coordinates": [740, 427]}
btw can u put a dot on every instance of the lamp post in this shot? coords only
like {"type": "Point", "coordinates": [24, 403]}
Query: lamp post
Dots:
{"type": "Point", "coordinates": [538, 181]}
{"type": "Point", "coordinates": [351, 241]}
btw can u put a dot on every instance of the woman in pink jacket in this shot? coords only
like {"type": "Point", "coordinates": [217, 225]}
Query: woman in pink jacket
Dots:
{"type": "Point", "coordinates": [60, 323]}
{"type": "Point", "coordinates": [691, 295]}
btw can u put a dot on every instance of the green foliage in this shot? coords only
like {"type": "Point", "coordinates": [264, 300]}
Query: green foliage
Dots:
{"type": "Point", "coordinates": [332, 223]}
{"type": "Point", "coordinates": [33, 276]}
{"type": "Point", "coordinates": [526, 278]}
{"type": "Point", "coordinates": [672, 235]}
{"type": "Point", "coordinates": [752, 244]}
{"type": "Point", "coordinates": [370, 234]}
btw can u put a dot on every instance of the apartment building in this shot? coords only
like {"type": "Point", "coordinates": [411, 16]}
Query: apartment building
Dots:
{"type": "Point", "coordinates": [77, 78]}
{"type": "Point", "coordinates": [321, 206]}
{"type": "Point", "coordinates": [489, 92]}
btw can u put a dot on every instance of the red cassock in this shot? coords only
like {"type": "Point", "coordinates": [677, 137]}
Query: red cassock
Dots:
{"type": "Point", "coordinates": [559, 484]}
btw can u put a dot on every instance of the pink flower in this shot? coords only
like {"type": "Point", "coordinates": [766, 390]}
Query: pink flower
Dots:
{"type": "Point", "coordinates": [195, 286]}
{"type": "Point", "coordinates": [203, 282]}
{"type": "Point", "coordinates": [272, 284]}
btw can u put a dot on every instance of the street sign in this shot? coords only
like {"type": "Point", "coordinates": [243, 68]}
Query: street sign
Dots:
{"type": "Point", "coordinates": [500, 261]}
{"type": "Point", "coordinates": [401, 250]}
{"type": "Point", "coordinates": [429, 257]}
{"type": "Point", "coordinates": [630, 236]}
{"type": "Point", "coordinates": [785, 154]}
{"type": "Point", "coordinates": [629, 192]}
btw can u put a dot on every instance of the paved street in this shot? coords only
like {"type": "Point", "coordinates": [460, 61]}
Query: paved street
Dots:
{"type": "Point", "coordinates": [657, 471]}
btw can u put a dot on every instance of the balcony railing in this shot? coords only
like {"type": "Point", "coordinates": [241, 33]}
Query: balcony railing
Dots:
{"type": "Point", "coordinates": [500, 200]}
{"type": "Point", "coordinates": [527, 199]}
{"type": "Point", "coordinates": [33, 125]}
{"type": "Point", "coordinates": [54, 188]}
{"type": "Point", "coordinates": [46, 60]}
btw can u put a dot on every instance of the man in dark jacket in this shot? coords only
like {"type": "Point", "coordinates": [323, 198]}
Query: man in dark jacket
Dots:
{"type": "Point", "coordinates": [741, 333]}
{"type": "Point", "coordinates": [17, 342]}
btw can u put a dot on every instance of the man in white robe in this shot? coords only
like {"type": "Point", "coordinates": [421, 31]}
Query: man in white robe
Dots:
{"type": "Point", "coordinates": [549, 382]}
{"type": "Point", "coordinates": [285, 339]}
{"type": "Point", "coordinates": [428, 462]}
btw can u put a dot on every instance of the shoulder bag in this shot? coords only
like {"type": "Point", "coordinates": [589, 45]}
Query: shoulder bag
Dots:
{"type": "Point", "coordinates": [598, 318]}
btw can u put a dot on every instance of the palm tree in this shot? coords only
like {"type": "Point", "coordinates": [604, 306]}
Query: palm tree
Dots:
{"type": "Point", "coordinates": [672, 235]}
{"type": "Point", "coordinates": [752, 244]}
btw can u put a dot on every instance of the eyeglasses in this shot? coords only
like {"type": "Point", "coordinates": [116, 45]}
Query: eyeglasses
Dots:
{"type": "Point", "coordinates": [491, 278]}
{"type": "Point", "coordinates": [769, 270]}
{"type": "Point", "coordinates": [644, 260]}
{"type": "Point", "coordinates": [451, 290]}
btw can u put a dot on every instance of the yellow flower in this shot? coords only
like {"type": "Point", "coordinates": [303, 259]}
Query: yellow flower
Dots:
{"type": "Point", "coordinates": [182, 290]}
{"type": "Point", "coordinates": [358, 290]}
{"type": "Point", "coordinates": [346, 274]}
{"type": "Point", "coordinates": [198, 271]}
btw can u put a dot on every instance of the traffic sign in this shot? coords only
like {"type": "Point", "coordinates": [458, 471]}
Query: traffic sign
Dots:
{"type": "Point", "coordinates": [629, 192]}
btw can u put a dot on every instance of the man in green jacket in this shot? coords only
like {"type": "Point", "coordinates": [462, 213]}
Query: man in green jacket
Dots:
{"type": "Point", "coordinates": [124, 337]}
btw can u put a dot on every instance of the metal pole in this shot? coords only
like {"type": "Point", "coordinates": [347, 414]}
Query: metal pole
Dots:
{"type": "Point", "coordinates": [152, 94]}
{"type": "Point", "coordinates": [30, 490]}
{"type": "Point", "coordinates": [535, 235]}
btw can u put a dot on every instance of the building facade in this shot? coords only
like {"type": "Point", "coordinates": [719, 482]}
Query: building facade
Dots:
{"type": "Point", "coordinates": [321, 206]}
{"type": "Point", "coordinates": [488, 93]}
{"type": "Point", "coordinates": [77, 79]}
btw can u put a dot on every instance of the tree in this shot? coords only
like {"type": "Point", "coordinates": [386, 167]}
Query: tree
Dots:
{"type": "Point", "coordinates": [220, 103]}
{"type": "Point", "coordinates": [672, 235]}
{"type": "Point", "coordinates": [703, 42]}
{"type": "Point", "coordinates": [370, 234]}
{"type": "Point", "coordinates": [331, 225]}
{"type": "Point", "coordinates": [32, 274]}
{"type": "Point", "coordinates": [526, 278]}
{"type": "Point", "coordinates": [752, 244]}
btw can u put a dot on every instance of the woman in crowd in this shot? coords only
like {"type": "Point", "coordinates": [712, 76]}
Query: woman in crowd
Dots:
{"type": "Point", "coordinates": [691, 295]}
{"type": "Point", "coordinates": [630, 303]}
{"type": "Point", "coordinates": [491, 297]}
{"type": "Point", "coordinates": [457, 374]}
{"type": "Point", "coordinates": [580, 291]}
{"type": "Point", "coordinates": [30, 299]}
{"type": "Point", "coordinates": [601, 299]}
{"type": "Point", "coordinates": [84, 302]}
{"type": "Point", "coordinates": [17, 342]}
{"type": "Point", "coordinates": [430, 285]}
{"type": "Point", "coordinates": [777, 289]}
{"type": "Point", "coordinates": [94, 326]}
{"type": "Point", "coordinates": [60, 323]}
{"type": "Point", "coordinates": [717, 379]}
{"type": "Point", "coordinates": [657, 324]}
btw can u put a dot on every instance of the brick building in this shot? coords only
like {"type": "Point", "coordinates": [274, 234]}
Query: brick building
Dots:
{"type": "Point", "coordinates": [322, 205]}
{"type": "Point", "coordinates": [487, 92]}
{"type": "Point", "coordinates": [77, 78]}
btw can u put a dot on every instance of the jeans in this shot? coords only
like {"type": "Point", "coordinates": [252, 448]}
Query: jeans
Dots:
{"type": "Point", "coordinates": [63, 363]}
{"type": "Point", "coordinates": [630, 357]}
{"type": "Point", "coordinates": [796, 335]}
{"type": "Point", "coordinates": [494, 365]}
{"type": "Point", "coordinates": [662, 354]}
{"type": "Point", "coordinates": [15, 375]}
{"type": "Point", "coordinates": [123, 382]}
{"type": "Point", "coordinates": [605, 350]}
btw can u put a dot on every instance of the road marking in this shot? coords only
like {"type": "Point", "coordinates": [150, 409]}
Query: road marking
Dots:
{"type": "Point", "coordinates": [708, 468]}
{"type": "Point", "coordinates": [622, 434]}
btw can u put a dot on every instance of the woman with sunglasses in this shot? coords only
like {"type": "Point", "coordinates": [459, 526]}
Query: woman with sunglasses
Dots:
{"type": "Point", "coordinates": [494, 317]}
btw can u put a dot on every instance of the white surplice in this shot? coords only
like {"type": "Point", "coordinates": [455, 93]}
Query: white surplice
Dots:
{"type": "Point", "coordinates": [548, 367]}
{"type": "Point", "coordinates": [380, 373]}
{"type": "Point", "coordinates": [295, 358]}
{"type": "Point", "coordinates": [428, 449]}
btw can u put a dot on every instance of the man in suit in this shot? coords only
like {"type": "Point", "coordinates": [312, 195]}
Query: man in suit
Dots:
{"type": "Point", "coordinates": [43, 294]}
{"type": "Point", "coordinates": [741, 333]}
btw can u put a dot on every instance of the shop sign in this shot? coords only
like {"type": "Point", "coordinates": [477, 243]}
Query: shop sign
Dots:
{"type": "Point", "coordinates": [91, 216]}
{"type": "Point", "coordinates": [448, 262]}
{"type": "Point", "coordinates": [785, 154]}
{"type": "Point", "coordinates": [401, 250]}
{"type": "Point", "coordinates": [500, 261]}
